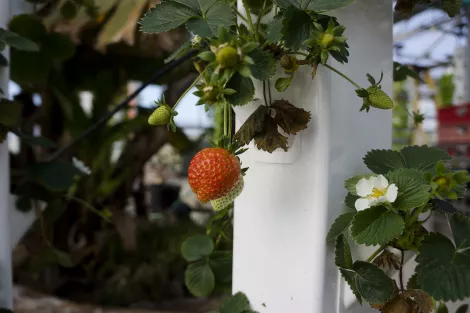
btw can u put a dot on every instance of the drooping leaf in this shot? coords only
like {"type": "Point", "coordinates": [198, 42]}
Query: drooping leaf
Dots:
{"type": "Point", "coordinates": [314, 5]}
{"type": "Point", "coordinates": [350, 278]}
{"type": "Point", "coordinates": [238, 303]}
{"type": "Point", "coordinates": [10, 112]}
{"type": "Point", "coordinates": [343, 257]}
{"type": "Point", "coordinates": [252, 126]}
{"type": "Point", "coordinates": [270, 139]}
{"type": "Point", "coordinates": [200, 279]}
{"type": "Point", "coordinates": [16, 41]}
{"type": "Point", "coordinates": [413, 191]}
{"type": "Point", "coordinates": [372, 283]}
{"type": "Point", "coordinates": [443, 270]}
{"type": "Point", "coordinates": [244, 87]}
{"type": "Point", "coordinates": [197, 247]}
{"type": "Point", "coordinates": [289, 117]}
{"type": "Point", "coordinates": [202, 17]}
{"type": "Point", "coordinates": [422, 299]}
{"type": "Point", "coordinates": [275, 29]}
{"type": "Point", "coordinates": [383, 161]}
{"type": "Point", "coordinates": [283, 83]}
{"type": "Point", "coordinates": [444, 206]}
{"type": "Point", "coordinates": [264, 66]}
{"type": "Point", "coordinates": [423, 158]}
{"type": "Point", "coordinates": [387, 259]}
{"type": "Point", "coordinates": [376, 226]}
{"type": "Point", "coordinates": [297, 26]}
{"type": "Point", "coordinates": [57, 176]}
{"type": "Point", "coordinates": [460, 227]}
{"type": "Point", "coordinates": [340, 224]}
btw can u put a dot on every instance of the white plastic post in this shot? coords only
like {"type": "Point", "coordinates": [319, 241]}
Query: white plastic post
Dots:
{"type": "Point", "coordinates": [5, 246]}
{"type": "Point", "coordinates": [281, 259]}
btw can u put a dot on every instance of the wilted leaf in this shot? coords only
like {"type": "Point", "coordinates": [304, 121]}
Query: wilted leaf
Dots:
{"type": "Point", "coordinates": [289, 117]}
{"type": "Point", "coordinates": [388, 260]}
{"type": "Point", "coordinates": [252, 126]}
{"type": "Point", "coordinates": [398, 305]}
{"type": "Point", "coordinates": [270, 139]}
{"type": "Point", "coordinates": [422, 299]}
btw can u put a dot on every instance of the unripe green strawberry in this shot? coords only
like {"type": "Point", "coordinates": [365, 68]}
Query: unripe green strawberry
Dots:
{"type": "Point", "coordinates": [161, 115]}
{"type": "Point", "coordinates": [222, 203]}
{"type": "Point", "coordinates": [379, 99]}
{"type": "Point", "coordinates": [451, 7]}
{"type": "Point", "coordinates": [227, 57]}
{"type": "Point", "coordinates": [327, 40]}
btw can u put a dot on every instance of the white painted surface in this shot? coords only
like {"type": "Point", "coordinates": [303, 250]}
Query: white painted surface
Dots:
{"type": "Point", "coordinates": [281, 260]}
{"type": "Point", "coordinates": [5, 248]}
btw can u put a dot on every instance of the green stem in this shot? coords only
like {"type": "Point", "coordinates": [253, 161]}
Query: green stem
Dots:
{"type": "Point", "coordinates": [415, 215]}
{"type": "Point", "coordinates": [260, 17]}
{"type": "Point", "coordinates": [225, 120]}
{"type": "Point", "coordinates": [187, 90]}
{"type": "Point", "coordinates": [240, 15]}
{"type": "Point", "coordinates": [380, 249]}
{"type": "Point", "coordinates": [250, 21]}
{"type": "Point", "coordinates": [229, 108]}
{"type": "Point", "coordinates": [342, 75]}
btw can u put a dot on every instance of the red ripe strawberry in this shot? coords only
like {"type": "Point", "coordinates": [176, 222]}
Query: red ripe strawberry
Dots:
{"type": "Point", "coordinates": [212, 173]}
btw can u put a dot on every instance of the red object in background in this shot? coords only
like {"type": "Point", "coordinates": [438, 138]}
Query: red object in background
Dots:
{"type": "Point", "coordinates": [454, 125]}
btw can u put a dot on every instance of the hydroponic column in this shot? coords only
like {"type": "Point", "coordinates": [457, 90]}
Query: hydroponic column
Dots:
{"type": "Point", "coordinates": [281, 260]}
{"type": "Point", "coordinates": [5, 247]}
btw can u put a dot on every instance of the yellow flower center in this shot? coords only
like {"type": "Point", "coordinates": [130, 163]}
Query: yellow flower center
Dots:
{"type": "Point", "coordinates": [377, 193]}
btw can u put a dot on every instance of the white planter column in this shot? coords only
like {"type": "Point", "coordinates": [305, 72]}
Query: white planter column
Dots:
{"type": "Point", "coordinates": [5, 246]}
{"type": "Point", "coordinates": [281, 260]}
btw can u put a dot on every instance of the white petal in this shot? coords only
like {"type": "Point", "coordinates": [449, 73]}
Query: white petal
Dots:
{"type": "Point", "coordinates": [381, 182]}
{"type": "Point", "coordinates": [382, 199]}
{"type": "Point", "coordinates": [392, 193]}
{"type": "Point", "coordinates": [361, 204]}
{"type": "Point", "coordinates": [364, 187]}
{"type": "Point", "coordinates": [373, 201]}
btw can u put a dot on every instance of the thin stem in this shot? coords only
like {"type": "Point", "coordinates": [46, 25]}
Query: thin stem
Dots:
{"type": "Point", "coordinates": [401, 270]}
{"type": "Point", "coordinates": [342, 75]}
{"type": "Point", "coordinates": [225, 120]}
{"type": "Point", "coordinates": [376, 253]}
{"type": "Point", "coordinates": [229, 108]}
{"type": "Point", "coordinates": [260, 16]}
{"type": "Point", "coordinates": [187, 90]}
{"type": "Point", "coordinates": [269, 91]}
{"type": "Point", "coordinates": [240, 15]}
{"type": "Point", "coordinates": [250, 21]}
{"type": "Point", "coordinates": [103, 120]}
{"type": "Point", "coordinates": [264, 93]}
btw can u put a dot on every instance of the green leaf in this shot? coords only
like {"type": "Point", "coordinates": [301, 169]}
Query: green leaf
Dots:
{"type": "Point", "coordinates": [238, 303]}
{"type": "Point", "coordinates": [442, 308]}
{"type": "Point", "coordinates": [423, 158]}
{"type": "Point", "coordinates": [197, 247]}
{"type": "Point", "coordinates": [413, 282]}
{"type": "Point", "coordinates": [221, 264]}
{"type": "Point", "coordinates": [376, 226]}
{"type": "Point", "coordinates": [460, 227]}
{"type": "Point", "coordinates": [443, 270]}
{"type": "Point", "coordinates": [402, 72]}
{"type": "Point", "coordinates": [283, 83]}
{"type": "Point", "coordinates": [297, 26]}
{"type": "Point", "coordinates": [275, 29]}
{"type": "Point", "coordinates": [315, 5]}
{"type": "Point", "coordinates": [343, 257]}
{"type": "Point", "coordinates": [413, 191]}
{"type": "Point", "coordinates": [350, 201]}
{"type": "Point", "coordinates": [38, 141]}
{"type": "Point", "coordinates": [200, 279]}
{"type": "Point", "coordinates": [340, 224]}
{"type": "Point", "coordinates": [28, 26]}
{"type": "Point", "coordinates": [372, 283]}
{"type": "Point", "coordinates": [202, 17]}
{"type": "Point", "coordinates": [350, 278]}
{"type": "Point", "coordinates": [10, 112]}
{"type": "Point", "coordinates": [252, 126]}
{"type": "Point", "coordinates": [16, 41]}
{"type": "Point", "coordinates": [244, 87]}
{"type": "Point", "coordinates": [184, 48]}
{"type": "Point", "coordinates": [383, 161]}
{"type": "Point", "coordinates": [57, 176]}
{"type": "Point", "coordinates": [264, 66]}
{"type": "Point", "coordinates": [350, 183]}
{"type": "Point", "coordinates": [58, 46]}
{"type": "Point", "coordinates": [462, 309]}
{"type": "Point", "coordinates": [29, 67]}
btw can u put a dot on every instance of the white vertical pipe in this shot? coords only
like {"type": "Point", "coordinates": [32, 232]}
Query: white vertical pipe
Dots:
{"type": "Point", "coordinates": [5, 246]}
{"type": "Point", "coordinates": [281, 260]}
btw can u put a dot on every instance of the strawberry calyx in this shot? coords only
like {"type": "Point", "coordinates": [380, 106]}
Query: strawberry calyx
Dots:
{"type": "Point", "coordinates": [374, 96]}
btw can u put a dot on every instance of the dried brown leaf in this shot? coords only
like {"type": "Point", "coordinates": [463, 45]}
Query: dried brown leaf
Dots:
{"type": "Point", "coordinates": [270, 139]}
{"type": "Point", "coordinates": [290, 118]}
{"type": "Point", "coordinates": [387, 260]}
{"type": "Point", "coordinates": [399, 305]}
{"type": "Point", "coordinates": [253, 126]}
{"type": "Point", "coordinates": [421, 298]}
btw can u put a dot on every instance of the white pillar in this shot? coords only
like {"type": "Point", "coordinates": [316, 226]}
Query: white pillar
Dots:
{"type": "Point", "coordinates": [281, 260]}
{"type": "Point", "coordinates": [5, 246]}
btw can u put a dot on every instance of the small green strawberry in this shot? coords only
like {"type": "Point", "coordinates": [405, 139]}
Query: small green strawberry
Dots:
{"type": "Point", "coordinates": [379, 99]}
{"type": "Point", "coordinates": [223, 202]}
{"type": "Point", "coordinates": [163, 115]}
{"type": "Point", "coordinates": [452, 7]}
{"type": "Point", "coordinates": [227, 57]}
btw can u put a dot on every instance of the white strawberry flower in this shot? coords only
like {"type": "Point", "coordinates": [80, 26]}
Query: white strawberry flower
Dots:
{"type": "Point", "coordinates": [374, 190]}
